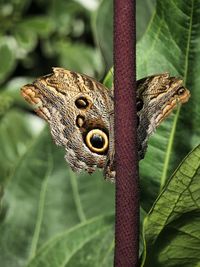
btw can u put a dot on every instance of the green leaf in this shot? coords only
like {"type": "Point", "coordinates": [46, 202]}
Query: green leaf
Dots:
{"type": "Point", "coordinates": [12, 90]}
{"type": "Point", "coordinates": [78, 57]}
{"type": "Point", "coordinates": [1, 195]}
{"type": "Point", "coordinates": [108, 81]}
{"type": "Point", "coordinates": [15, 139]}
{"type": "Point", "coordinates": [7, 46]}
{"type": "Point", "coordinates": [16, 240]}
{"type": "Point", "coordinates": [44, 198]}
{"type": "Point", "coordinates": [103, 31]}
{"type": "Point", "coordinates": [28, 31]}
{"type": "Point", "coordinates": [40, 25]}
{"type": "Point", "coordinates": [171, 229]}
{"type": "Point", "coordinates": [6, 103]}
{"type": "Point", "coordinates": [64, 250]}
{"type": "Point", "coordinates": [102, 22]}
{"type": "Point", "coordinates": [144, 11]}
{"type": "Point", "coordinates": [67, 14]}
{"type": "Point", "coordinates": [171, 44]}
{"type": "Point", "coordinates": [26, 39]}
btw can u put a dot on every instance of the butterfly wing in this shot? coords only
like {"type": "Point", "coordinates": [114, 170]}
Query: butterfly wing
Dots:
{"type": "Point", "coordinates": [77, 110]}
{"type": "Point", "coordinates": [157, 96]}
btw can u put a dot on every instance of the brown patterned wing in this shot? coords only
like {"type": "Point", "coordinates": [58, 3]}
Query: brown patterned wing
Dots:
{"type": "Point", "coordinates": [77, 109]}
{"type": "Point", "coordinates": [157, 96]}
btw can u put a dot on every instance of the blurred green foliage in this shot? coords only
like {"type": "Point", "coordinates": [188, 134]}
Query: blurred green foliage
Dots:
{"type": "Point", "coordinates": [36, 35]}
{"type": "Point", "coordinates": [50, 216]}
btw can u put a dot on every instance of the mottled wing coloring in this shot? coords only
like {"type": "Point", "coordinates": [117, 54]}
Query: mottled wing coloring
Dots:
{"type": "Point", "coordinates": [80, 112]}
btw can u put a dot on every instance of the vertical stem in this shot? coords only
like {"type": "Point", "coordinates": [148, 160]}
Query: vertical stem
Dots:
{"type": "Point", "coordinates": [127, 188]}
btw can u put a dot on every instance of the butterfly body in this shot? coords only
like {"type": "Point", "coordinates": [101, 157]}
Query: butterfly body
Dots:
{"type": "Point", "coordinates": [80, 112]}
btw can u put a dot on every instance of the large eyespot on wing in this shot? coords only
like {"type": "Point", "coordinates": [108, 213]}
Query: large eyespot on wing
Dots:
{"type": "Point", "coordinates": [97, 141]}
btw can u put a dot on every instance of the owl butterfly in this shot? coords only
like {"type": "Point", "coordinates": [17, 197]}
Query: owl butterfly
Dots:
{"type": "Point", "coordinates": [80, 114]}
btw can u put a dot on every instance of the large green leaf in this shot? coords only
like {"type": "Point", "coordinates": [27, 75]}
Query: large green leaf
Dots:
{"type": "Point", "coordinates": [144, 11]}
{"type": "Point", "coordinates": [44, 198]}
{"type": "Point", "coordinates": [103, 31]}
{"type": "Point", "coordinates": [87, 238]}
{"type": "Point", "coordinates": [171, 44]}
{"type": "Point", "coordinates": [171, 229]}
{"type": "Point", "coordinates": [102, 23]}
{"type": "Point", "coordinates": [14, 139]}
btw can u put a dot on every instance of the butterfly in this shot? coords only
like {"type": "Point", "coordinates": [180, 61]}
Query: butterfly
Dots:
{"type": "Point", "coordinates": [80, 113]}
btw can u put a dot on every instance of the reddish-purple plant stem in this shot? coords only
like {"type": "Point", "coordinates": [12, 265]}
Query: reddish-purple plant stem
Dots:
{"type": "Point", "coordinates": [127, 188]}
